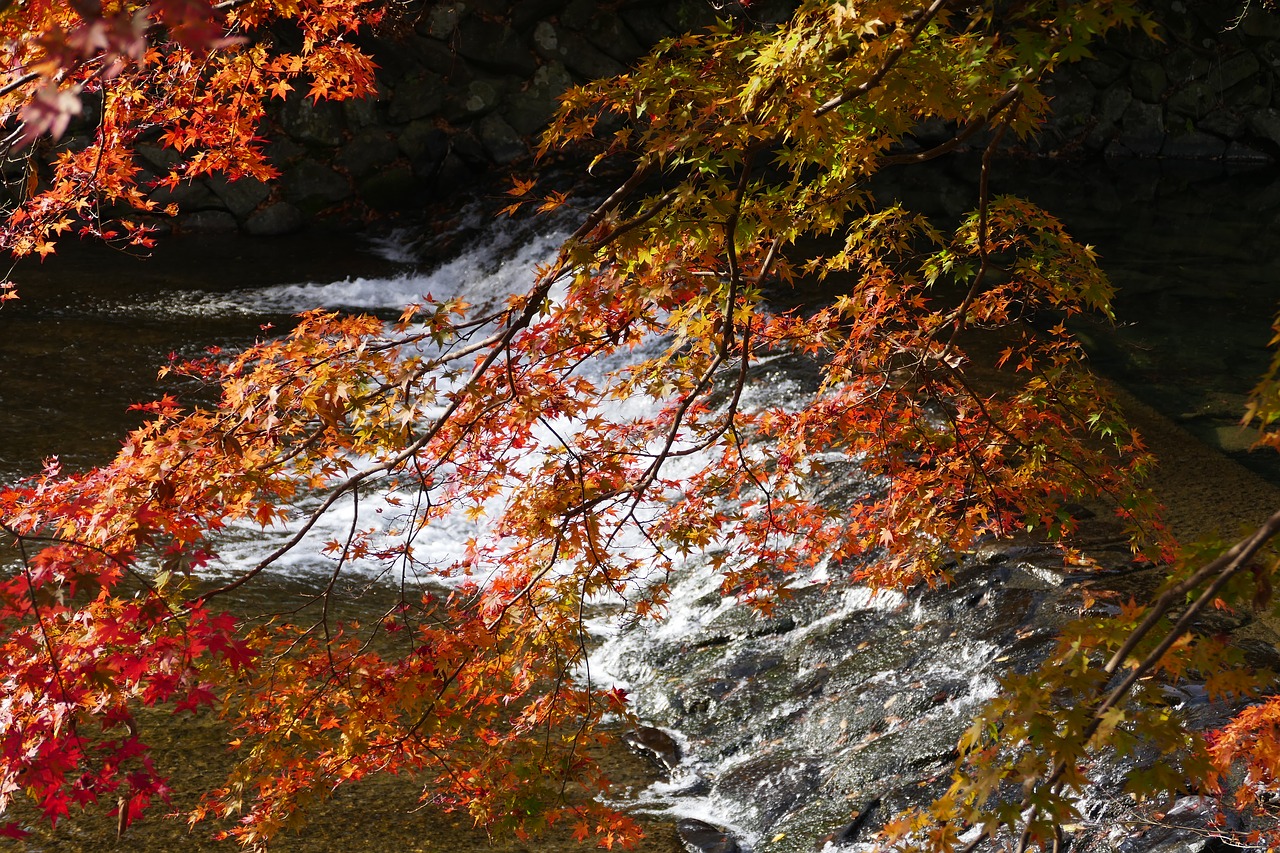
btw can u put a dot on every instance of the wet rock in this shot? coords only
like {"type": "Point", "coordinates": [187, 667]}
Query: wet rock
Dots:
{"type": "Point", "coordinates": [275, 220]}
{"type": "Point", "coordinates": [849, 833]}
{"type": "Point", "coordinates": [655, 745]}
{"type": "Point", "coordinates": [700, 837]}
{"type": "Point", "coordinates": [1245, 155]}
{"type": "Point", "coordinates": [773, 784]}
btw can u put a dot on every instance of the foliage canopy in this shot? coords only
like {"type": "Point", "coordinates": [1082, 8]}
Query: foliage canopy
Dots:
{"type": "Point", "coordinates": [947, 374]}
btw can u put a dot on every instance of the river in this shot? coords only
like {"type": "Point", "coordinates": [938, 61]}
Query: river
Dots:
{"type": "Point", "coordinates": [842, 703]}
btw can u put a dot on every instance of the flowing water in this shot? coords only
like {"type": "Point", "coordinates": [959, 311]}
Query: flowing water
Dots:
{"type": "Point", "coordinates": [785, 732]}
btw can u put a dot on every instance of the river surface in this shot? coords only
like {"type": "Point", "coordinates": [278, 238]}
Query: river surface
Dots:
{"type": "Point", "coordinates": [843, 703]}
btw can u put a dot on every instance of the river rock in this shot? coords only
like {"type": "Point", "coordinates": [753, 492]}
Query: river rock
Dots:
{"type": "Point", "coordinates": [700, 837]}
{"type": "Point", "coordinates": [849, 833]}
{"type": "Point", "coordinates": [655, 745]}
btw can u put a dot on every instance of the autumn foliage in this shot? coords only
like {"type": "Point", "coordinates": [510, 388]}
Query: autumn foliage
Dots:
{"type": "Point", "coordinates": [947, 375]}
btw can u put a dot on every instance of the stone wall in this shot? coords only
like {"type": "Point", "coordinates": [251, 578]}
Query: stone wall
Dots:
{"type": "Point", "coordinates": [466, 86]}
{"type": "Point", "coordinates": [1207, 91]}
{"type": "Point", "coordinates": [463, 87]}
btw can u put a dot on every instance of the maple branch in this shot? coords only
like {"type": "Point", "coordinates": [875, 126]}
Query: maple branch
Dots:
{"type": "Point", "coordinates": [644, 167]}
{"type": "Point", "coordinates": [533, 302]}
{"type": "Point", "coordinates": [1226, 566]}
{"type": "Point", "coordinates": [886, 66]}
{"type": "Point", "coordinates": [1012, 95]}
{"type": "Point", "coordinates": [984, 198]}
{"type": "Point", "coordinates": [18, 83]}
{"type": "Point", "coordinates": [731, 250]}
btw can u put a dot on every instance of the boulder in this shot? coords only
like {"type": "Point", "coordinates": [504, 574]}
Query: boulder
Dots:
{"type": "Point", "coordinates": [209, 222]}
{"type": "Point", "coordinates": [241, 196]}
{"type": "Point", "coordinates": [274, 220]}
{"type": "Point", "coordinates": [311, 184]}
{"type": "Point", "coordinates": [1232, 70]}
{"type": "Point", "coordinates": [316, 122]}
{"type": "Point", "coordinates": [654, 744]}
{"type": "Point", "coordinates": [1147, 80]}
{"type": "Point", "coordinates": [530, 110]}
{"type": "Point", "coordinates": [417, 97]}
{"type": "Point", "coordinates": [700, 837]}
{"type": "Point", "coordinates": [500, 140]}
{"type": "Point", "coordinates": [392, 189]}
{"type": "Point", "coordinates": [368, 151]}
{"type": "Point", "coordinates": [494, 46]}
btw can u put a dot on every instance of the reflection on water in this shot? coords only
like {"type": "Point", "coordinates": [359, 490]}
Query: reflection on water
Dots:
{"type": "Point", "coordinates": [92, 326]}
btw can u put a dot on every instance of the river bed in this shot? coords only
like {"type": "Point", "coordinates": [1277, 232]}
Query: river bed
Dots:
{"type": "Point", "coordinates": [790, 727]}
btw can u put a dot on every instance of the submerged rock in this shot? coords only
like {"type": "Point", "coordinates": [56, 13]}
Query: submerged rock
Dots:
{"type": "Point", "coordinates": [655, 745]}
{"type": "Point", "coordinates": [701, 837]}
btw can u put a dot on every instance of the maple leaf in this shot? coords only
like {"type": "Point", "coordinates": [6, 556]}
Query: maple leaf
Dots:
{"type": "Point", "coordinates": [49, 112]}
